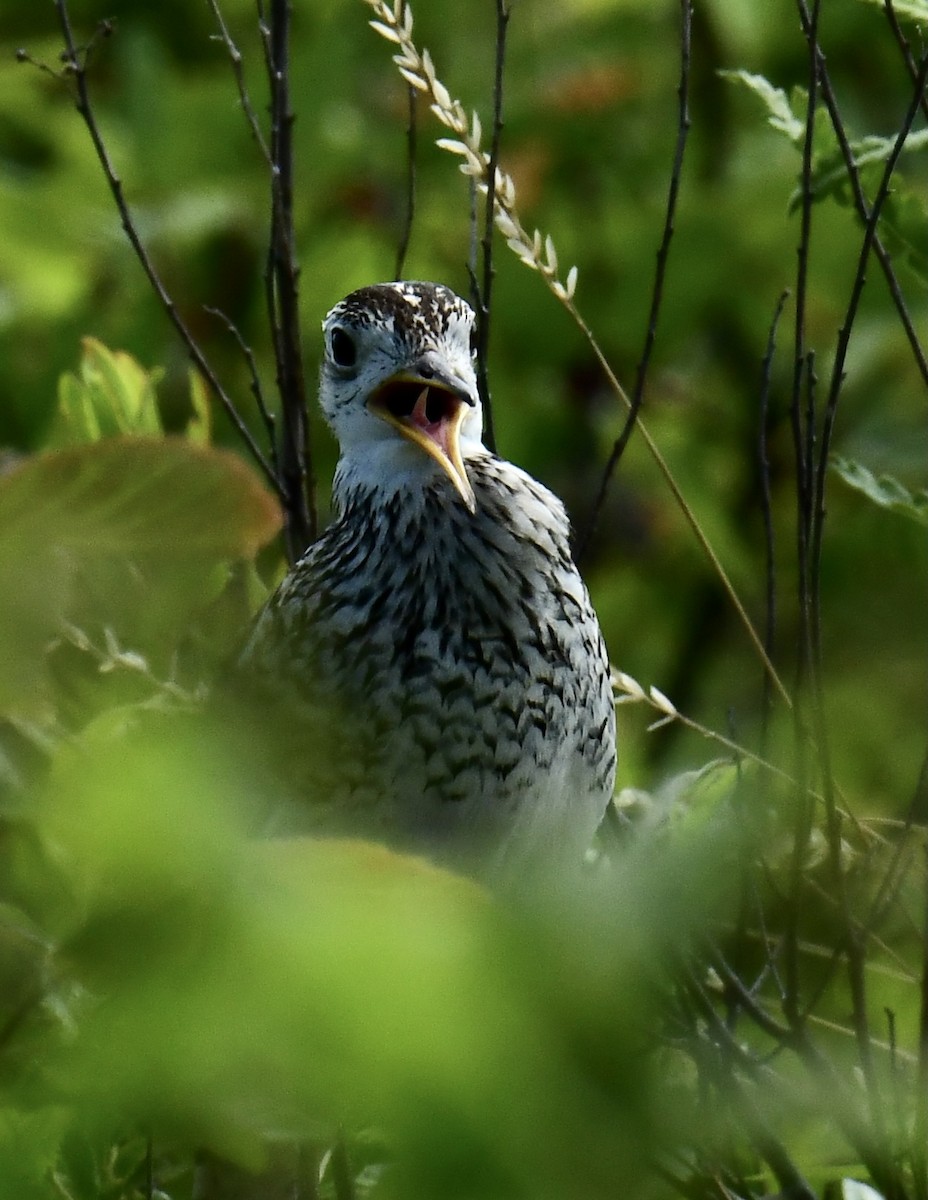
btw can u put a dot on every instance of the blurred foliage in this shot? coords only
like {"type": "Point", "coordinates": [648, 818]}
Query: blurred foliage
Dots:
{"type": "Point", "coordinates": [177, 1000]}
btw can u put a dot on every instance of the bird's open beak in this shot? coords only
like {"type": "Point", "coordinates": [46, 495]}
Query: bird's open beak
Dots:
{"type": "Point", "coordinates": [429, 413]}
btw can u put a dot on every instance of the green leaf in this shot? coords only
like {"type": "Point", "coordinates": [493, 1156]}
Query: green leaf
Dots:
{"type": "Point", "coordinates": [851, 1189]}
{"type": "Point", "coordinates": [884, 491]}
{"type": "Point", "coordinates": [335, 956]}
{"type": "Point", "coordinates": [902, 226]}
{"type": "Point", "coordinates": [915, 10]}
{"type": "Point", "coordinates": [111, 394]}
{"type": "Point", "coordinates": [126, 495]}
{"type": "Point", "coordinates": [125, 532]}
{"type": "Point", "coordinates": [199, 427]}
{"type": "Point", "coordinates": [779, 110]}
{"type": "Point", "coordinates": [829, 175]}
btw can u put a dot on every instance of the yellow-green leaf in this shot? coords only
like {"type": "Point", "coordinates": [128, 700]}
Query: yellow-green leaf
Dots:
{"type": "Point", "coordinates": [126, 532]}
{"type": "Point", "coordinates": [110, 394]}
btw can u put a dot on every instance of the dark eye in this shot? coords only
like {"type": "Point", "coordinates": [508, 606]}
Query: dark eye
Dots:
{"type": "Point", "coordinates": [344, 351]}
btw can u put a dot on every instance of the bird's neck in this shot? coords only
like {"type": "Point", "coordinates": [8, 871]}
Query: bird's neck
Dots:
{"type": "Point", "coordinates": [398, 476]}
{"type": "Point", "coordinates": [515, 515]}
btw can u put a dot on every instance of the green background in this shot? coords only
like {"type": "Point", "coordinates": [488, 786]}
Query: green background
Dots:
{"type": "Point", "coordinates": [590, 126]}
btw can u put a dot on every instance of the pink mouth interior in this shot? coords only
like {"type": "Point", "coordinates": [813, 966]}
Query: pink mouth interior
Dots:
{"type": "Point", "coordinates": [427, 408]}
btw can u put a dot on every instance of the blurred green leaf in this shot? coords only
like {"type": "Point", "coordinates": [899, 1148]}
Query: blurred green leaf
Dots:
{"type": "Point", "coordinates": [111, 394]}
{"type": "Point", "coordinates": [904, 221]}
{"type": "Point", "coordinates": [29, 1145]}
{"type": "Point", "coordinates": [122, 502]}
{"type": "Point", "coordinates": [135, 495]}
{"type": "Point", "coordinates": [829, 175]}
{"type": "Point", "coordinates": [780, 112]}
{"type": "Point", "coordinates": [200, 426]}
{"type": "Point", "coordinates": [884, 491]}
{"type": "Point", "coordinates": [267, 985]}
{"type": "Point", "coordinates": [851, 1189]}
{"type": "Point", "coordinates": [915, 10]}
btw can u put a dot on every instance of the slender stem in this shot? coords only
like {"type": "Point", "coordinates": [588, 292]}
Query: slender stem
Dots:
{"type": "Point", "coordinates": [802, 423]}
{"type": "Point", "coordinates": [235, 59]}
{"type": "Point", "coordinates": [255, 382]}
{"type": "Point", "coordinates": [770, 614]}
{"type": "Point", "coordinates": [906, 50]}
{"type": "Point", "coordinates": [483, 292]}
{"type": "Point", "coordinates": [75, 65]}
{"type": "Point", "coordinates": [295, 451]}
{"type": "Point", "coordinates": [411, 138]}
{"type": "Point", "coordinates": [682, 503]}
{"type": "Point", "coordinates": [657, 291]}
{"type": "Point", "coordinates": [149, 1168]}
{"type": "Point", "coordinates": [307, 1172]}
{"type": "Point", "coordinates": [920, 1135]}
{"type": "Point", "coordinates": [844, 336]}
{"type": "Point", "coordinates": [855, 938]}
{"type": "Point", "coordinates": [860, 200]}
{"type": "Point", "coordinates": [746, 1000]}
{"type": "Point", "coordinates": [802, 420]}
{"type": "Point", "coordinates": [342, 1179]}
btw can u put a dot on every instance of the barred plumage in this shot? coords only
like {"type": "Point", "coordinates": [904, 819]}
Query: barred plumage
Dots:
{"type": "Point", "coordinates": [433, 663]}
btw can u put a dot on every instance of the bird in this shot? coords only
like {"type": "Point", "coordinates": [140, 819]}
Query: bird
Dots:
{"type": "Point", "coordinates": [432, 671]}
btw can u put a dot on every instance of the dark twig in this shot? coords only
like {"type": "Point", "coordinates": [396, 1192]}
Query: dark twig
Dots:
{"type": "Point", "coordinates": [747, 1001]}
{"type": "Point", "coordinates": [905, 49]}
{"type": "Point", "coordinates": [307, 1172]}
{"type": "Point", "coordinates": [75, 62]}
{"type": "Point", "coordinates": [473, 248]}
{"type": "Point", "coordinates": [296, 463]}
{"type": "Point", "coordinates": [770, 606]}
{"type": "Point", "coordinates": [920, 1134]}
{"type": "Point", "coordinates": [657, 293]}
{"type": "Point", "coordinates": [844, 336]}
{"type": "Point", "coordinates": [255, 381]}
{"type": "Point", "coordinates": [724, 1053]}
{"type": "Point", "coordinates": [411, 138]}
{"type": "Point", "coordinates": [841, 1107]}
{"type": "Point", "coordinates": [235, 58]}
{"type": "Point", "coordinates": [482, 291]}
{"type": "Point", "coordinates": [860, 199]}
{"type": "Point", "coordinates": [790, 1179]}
{"type": "Point", "coordinates": [149, 1168]}
{"type": "Point", "coordinates": [342, 1179]}
{"type": "Point", "coordinates": [855, 938]}
{"type": "Point", "coordinates": [800, 424]}
{"type": "Point", "coordinates": [870, 1149]}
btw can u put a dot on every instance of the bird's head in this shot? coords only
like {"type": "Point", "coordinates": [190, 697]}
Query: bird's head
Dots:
{"type": "Point", "coordinates": [398, 385]}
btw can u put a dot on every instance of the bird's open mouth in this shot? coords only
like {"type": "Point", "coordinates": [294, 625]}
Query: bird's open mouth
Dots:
{"type": "Point", "coordinates": [430, 415]}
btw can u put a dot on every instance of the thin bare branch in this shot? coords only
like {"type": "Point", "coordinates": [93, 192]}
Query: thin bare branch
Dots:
{"type": "Point", "coordinates": [905, 49]}
{"type": "Point", "coordinates": [860, 200]}
{"type": "Point", "coordinates": [657, 292]}
{"type": "Point", "coordinates": [920, 1135]}
{"type": "Point", "coordinates": [75, 61]}
{"type": "Point", "coordinates": [282, 288]}
{"type": "Point", "coordinates": [483, 293]}
{"type": "Point", "coordinates": [855, 938]}
{"type": "Point", "coordinates": [411, 139]}
{"type": "Point", "coordinates": [340, 1166]}
{"type": "Point", "coordinates": [746, 1000]}
{"type": "Point", "coordinates": [254, 376]}
{"type": "Point", "coordinates": [801, 425]}
{"type": "Point", "coordinates": [235, 60]}
{"type": "Point", "coordinates": [844, 336]}
{"type": "Point", "coordinates": [770, 614]}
